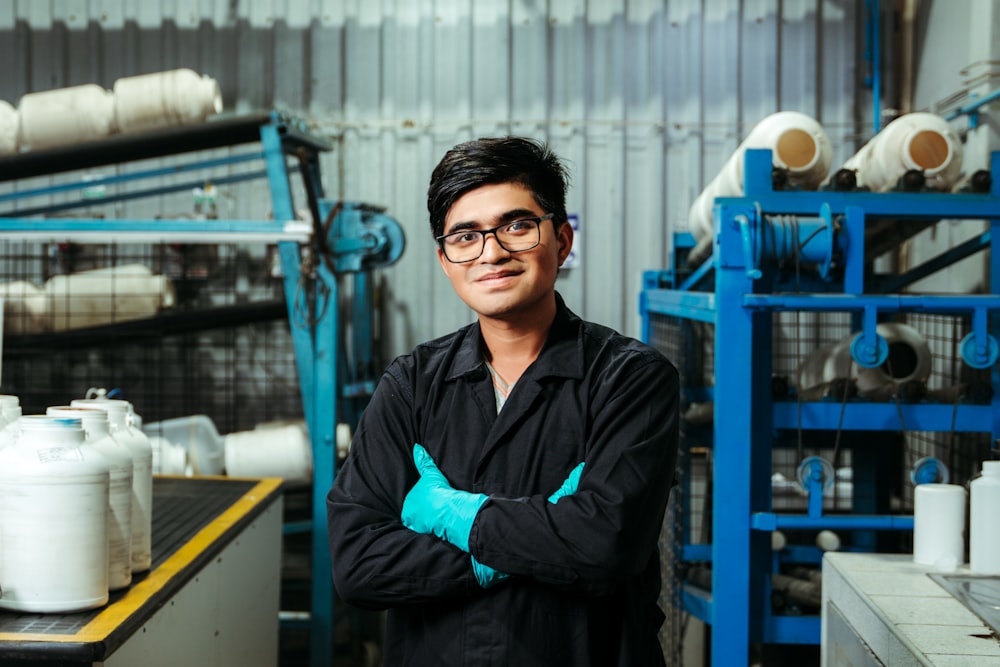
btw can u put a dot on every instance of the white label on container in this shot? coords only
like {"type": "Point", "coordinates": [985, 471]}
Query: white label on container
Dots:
{"type": "Point", "coordinates": [54, 454]}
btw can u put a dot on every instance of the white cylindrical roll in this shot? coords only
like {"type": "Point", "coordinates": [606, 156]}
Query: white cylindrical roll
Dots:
{"type": "Point", "coordinates": [798, 144]}
{"type": "Point", "coordinates": [270, 451]}
{"type": "Point", "coordinates": [909, 359]}
{"type": "Point", "coordinates": [921, 141]}
{"type": "Point", "coordinates": [939, 525]}
{"type": "Point", "coordinates": [165, 99]}
{"type": "Point", "coordinates": [25, 308]}
{"type": "Point", "coordinates": [9, 121]}
{"type": "Point", "coordinates": [102, 296]}
{"type": "Point", "coordinates": [65, 116]}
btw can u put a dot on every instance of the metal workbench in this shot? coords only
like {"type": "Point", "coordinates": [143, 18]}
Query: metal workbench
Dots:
{"type": "Point", "coordinates": [210, 598]}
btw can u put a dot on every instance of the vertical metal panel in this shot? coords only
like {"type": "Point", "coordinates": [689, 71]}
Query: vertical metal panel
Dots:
{"type": "Point", "coordinates": [645, 99]}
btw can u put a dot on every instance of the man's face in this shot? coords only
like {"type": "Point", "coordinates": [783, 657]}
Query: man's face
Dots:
{"type": "Point", "coordinates": [503, 284]}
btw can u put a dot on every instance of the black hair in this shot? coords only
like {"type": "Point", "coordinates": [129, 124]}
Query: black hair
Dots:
{"type": "Point", "coordinates": [495, 160]}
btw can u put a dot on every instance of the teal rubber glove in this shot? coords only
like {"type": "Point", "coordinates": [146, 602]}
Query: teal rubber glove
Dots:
{"type": "Point", "coordinates": [486, 575]}
{"type": "Point", "coordinates": [568, 487]}
{"type": "Point", "coordinates": [433, 507]}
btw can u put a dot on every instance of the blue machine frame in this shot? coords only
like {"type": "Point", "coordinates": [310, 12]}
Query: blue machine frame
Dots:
{"type": "Point", "coordinates": [346, 238]}
{"type": "Point", "coordinates": [753, 233]}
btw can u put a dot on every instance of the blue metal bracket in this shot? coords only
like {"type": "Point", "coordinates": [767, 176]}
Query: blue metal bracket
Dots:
{"type": "Point", "coordinates": [979, 349]}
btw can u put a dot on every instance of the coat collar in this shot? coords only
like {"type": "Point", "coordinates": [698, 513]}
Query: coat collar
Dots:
{"type": "Point", "coordinates": [561, 356]}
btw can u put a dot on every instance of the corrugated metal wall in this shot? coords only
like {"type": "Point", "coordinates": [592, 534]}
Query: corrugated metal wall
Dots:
{"type": "Point", "coordinates": [646, 99]}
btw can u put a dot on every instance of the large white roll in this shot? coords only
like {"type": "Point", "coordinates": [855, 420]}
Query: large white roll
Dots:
{"type": "Point", "coordinates": [798, 144]}
{"type": "Point", "coordinates": [8, 128]}
{"type": "Point", "coordinates": [909, 360]}
{"type": "Point", "coordinates": [65, 116]}
{"type": "Point", "coordinates": [921, 141]}
{"type": "Point", "coordinates": [165, 99]}
{"type": "Point", "coordinates": [939, 525]}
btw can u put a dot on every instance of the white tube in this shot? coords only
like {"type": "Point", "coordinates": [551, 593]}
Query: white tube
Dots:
{"type": "Point", "coordinates": [798, 144]}
{"type": "Point", "coordinates": [920, 141]}
{"type": "Point", "coordinates": [165, 99]}
{"type": "Point", "coordinates": [65, 116]}
{"type": "Point", "coordinates": [9, 121]}
{"type": "Point", "coordinates": [909, 359]}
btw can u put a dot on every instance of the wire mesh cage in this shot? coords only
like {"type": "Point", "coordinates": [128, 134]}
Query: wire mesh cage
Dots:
{"type": "Point", "coordinates": [176, 329]}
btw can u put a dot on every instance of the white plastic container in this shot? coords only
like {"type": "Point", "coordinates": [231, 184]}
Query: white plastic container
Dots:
{"type": "Point", "coordinates": [984, 537]}
{"type": "Point", "coordinates": [104, 296]}
{"type": "Point", "coordinates": [9, 121]}
{"type": "Point", "coordinates": [798, 144]}
{"type": "Point", "coordinates": [198, 435]}
{"type": "Point", "coordinates": [65, 116]}
{"type": "Point", "coordinates": [270, 450]}
{"type": "Point", "coordinates": [939, 526]}
{"type": "Point", "coordinates": [142, 475]}
{"type": "Point", "coordinates": [165, 99]}
{"type": "Point", "coordinates": [54, 492]}
{"type": "Point", "coordinates": [168, 458]}
{"type": "Point", "coordinates": [921, 141]}
{"type": "Point", "coordinates": [10, 412]}
{"type": "Point", "coordinates": [25, 308]}
{"type": "Point", "coordinates": [97, 429]}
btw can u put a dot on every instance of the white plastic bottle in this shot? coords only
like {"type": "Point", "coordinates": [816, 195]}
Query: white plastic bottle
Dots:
{"type": "Point", "coordinates": [142, 475]}
{"type": "Point", "coordinates": [97, 429]}
{"type": "Point", "coordinates": [53, 519]}
{"type": "Point", "coordinates": [984, 538]}
{"type": "Point", "coordinates": [10, 412]}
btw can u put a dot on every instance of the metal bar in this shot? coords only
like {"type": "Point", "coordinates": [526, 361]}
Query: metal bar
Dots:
{"type": "Point", "coordinates": [931, 266]}
{"type": "Point", "coordinates": [769, 521]}
{"type": "Point", "coordinates": [703, 270]}
{"type": "Point", "coordinates": [698, 602]}
{"type": "Point", "coordinates": [131, 176]}
{"type": "Point", "coordinates": [156, 231]}
{"type": "Point", "coordinates": [952, 303]}
{"type": "Point", "coordinates": [216, 133]}
{"type": "Point", "coordinates": [690, 305]}
{"type": "Point", "coordinates": [134, 194]}
{"type": "Point", "coordinates": [973, 107]}
{"type": "Point", "coordinates": [792, 629]}
{"type": "Point", "coordinates": [884, 416]}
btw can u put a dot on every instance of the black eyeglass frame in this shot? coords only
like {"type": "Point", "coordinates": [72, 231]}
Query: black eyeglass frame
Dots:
{"type": "Point", "coordinates": [538, 220]}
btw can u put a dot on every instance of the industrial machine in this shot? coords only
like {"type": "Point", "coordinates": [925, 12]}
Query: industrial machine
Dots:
{"type": "Point", "coordinates": [326, 261]}
{"type": "Point", "coordinates": [735, 325]}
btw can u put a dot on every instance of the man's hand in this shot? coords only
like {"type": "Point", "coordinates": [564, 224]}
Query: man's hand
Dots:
{"type": "Point", "coordinates": [433, 507]}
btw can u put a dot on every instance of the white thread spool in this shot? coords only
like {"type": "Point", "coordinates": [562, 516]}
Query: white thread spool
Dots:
{"type": "Point", "coordinates": [9, 121]}
{"type": "Point", "coordinates": [270, 451]}
{"type": "Point", "coordinates": [939, 525]}
{"type": "Point", "coordinates": [920, 141]}
{"type": "Point", "coordinates": [165, 99]}
{"type": "Point", "coordinates": [65, 116]}
{"type": "Point", "coordinates": [798, 144]}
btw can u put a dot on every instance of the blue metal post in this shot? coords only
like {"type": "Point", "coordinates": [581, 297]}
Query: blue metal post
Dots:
{"type": "Point", "coordinates": [313, 318]}
{"type": "Point", "coordinates": [741, 453]}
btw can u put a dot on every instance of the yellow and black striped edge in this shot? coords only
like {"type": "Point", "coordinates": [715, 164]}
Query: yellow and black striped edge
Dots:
{"type": "Point", "coordinates": [116, 622]}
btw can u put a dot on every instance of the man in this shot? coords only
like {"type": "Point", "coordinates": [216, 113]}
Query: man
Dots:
{"type": "Point", "coordinates": [506, 485]}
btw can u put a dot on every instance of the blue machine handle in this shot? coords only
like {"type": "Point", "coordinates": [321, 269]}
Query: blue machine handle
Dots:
{"type": "Point", "coordinates": [746, 236]}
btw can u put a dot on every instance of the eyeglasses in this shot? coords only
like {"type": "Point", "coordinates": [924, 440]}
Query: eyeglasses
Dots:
{"type": "Point", "coordinates": [468, 244]}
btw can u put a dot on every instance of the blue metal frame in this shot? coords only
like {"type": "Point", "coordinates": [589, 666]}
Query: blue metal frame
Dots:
{"type": "Point", "coordinates": [747, 290]}
{"type": "Point", "coordinates": [360, 239]}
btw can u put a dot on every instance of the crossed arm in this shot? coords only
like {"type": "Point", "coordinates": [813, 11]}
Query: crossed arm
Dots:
{"type": "Point", "coordinates": [605, 528]}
